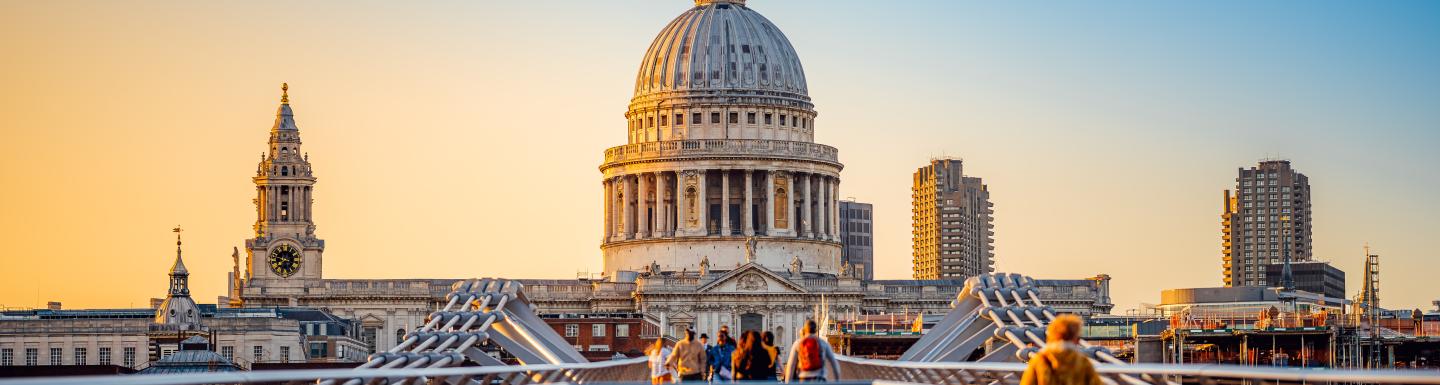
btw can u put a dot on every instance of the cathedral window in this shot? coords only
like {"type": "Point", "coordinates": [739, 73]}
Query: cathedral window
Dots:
{"type": "Point", "coordinates": [695, 118]}
{"type": "Point", "coordinates": [284, 211]}
{"type": "Point", "coordinates": [399, 336]}
{"type": "Point", "coordinates": [664, 121]}
{"type": "Point", "coordinates": [679, 119]}
{"type": "Point", "coordinates": [714, 118]}
{"type": "Point", "coordinates": [750, 118]}
{"type": "Point", "coordinates": [650, 122]}
{"type": "Point", "coordinates": [734, 118]}
{"type": "Point", "coordinates": [767, 117]}
{"type": "Point", "coordinates": [284, 171]}
{"type": "Point", "coordinates": [782, 119]}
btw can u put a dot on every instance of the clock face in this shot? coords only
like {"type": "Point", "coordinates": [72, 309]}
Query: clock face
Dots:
{"type": "Point", "coordinates": [284, 260]}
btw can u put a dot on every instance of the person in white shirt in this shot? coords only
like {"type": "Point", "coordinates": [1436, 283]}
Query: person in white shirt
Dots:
{"type": "Point", "coordinates": [659, 370]}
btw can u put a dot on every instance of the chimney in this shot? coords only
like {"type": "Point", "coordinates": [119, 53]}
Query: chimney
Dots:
{"type": "Point", "coordinates": [52, 305]}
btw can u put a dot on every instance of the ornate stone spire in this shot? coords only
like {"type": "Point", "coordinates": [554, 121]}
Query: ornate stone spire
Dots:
{"type": "Point", "coordinates": [178, 308]}
{"type": "Point", "coordinates": [284, 117]}
{"type": "Point", "coordinates": [179, 276]}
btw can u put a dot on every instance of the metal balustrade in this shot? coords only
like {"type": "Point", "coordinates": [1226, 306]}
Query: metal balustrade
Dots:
{"type": "Point", "coordinates": [721, 147]}
{"type": "Point", "coordinates": [854, 370]}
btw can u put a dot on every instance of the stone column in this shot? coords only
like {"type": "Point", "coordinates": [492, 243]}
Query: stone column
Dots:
{"type": "Point", "coordinates": [725, 202]}
{"type": "Point", "coordinates": [262, 207]}
{"type": "Point", "coordinates": [624, 196]}
{"type": "Point", "coordinates": [642, 206]}
{"type": "Point", "coordinates": [769, 202]}
{"type": "Point", "coordinates": [702, 206]}
{"type": "Point", "coordinates": [747, 208]}
{"type": "Point", "coordinates": [790, 205]}
{"type": "Point", "coordinates": [662, 210]}
{"type": "Point", "coordinates": [824, 214]}
{"type": "Point", "coordinates": [806, 224]}
{"type": "Point", "coordinates": [680, 204]}
{"type": "Point", "coordinates": [606, 198]}
{"type": "Point", "coordinates": [617, 207]}
{"type": "Point", "coordinates": [307, 204]}
{"type": "Point", "coordinates": [835, 208]}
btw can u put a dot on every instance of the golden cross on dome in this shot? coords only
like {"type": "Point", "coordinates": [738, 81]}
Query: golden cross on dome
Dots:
{"type": "Point", "coordinates": [284, 95]}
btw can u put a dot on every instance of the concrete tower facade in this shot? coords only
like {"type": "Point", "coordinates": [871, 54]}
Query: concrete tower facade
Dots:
{"type": "Point", "coordinates": [721, 164]}
{"type": "Point", "coordinates": [952, 228]}
{"type": "Point", "coordinates": [1267, 199]}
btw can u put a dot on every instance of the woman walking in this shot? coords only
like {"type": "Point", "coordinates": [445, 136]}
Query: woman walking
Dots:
{"type": "Point", "coordinates": [659, 369]}
{"type": "Point", "coordinates": [751, 361]}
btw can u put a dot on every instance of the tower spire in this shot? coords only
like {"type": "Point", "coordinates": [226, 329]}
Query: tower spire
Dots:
{"type": "Point", "coordinates": [284, 117]}
{"type": "Point", "coordinates": [179, 276]}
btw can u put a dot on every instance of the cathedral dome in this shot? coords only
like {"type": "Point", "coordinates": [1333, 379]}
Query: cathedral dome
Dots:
{"type": "Point", "coordinates": [721, 48]}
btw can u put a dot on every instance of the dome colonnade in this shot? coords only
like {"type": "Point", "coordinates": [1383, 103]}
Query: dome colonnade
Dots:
{"type": "Point", "coordinates": [721, 167]}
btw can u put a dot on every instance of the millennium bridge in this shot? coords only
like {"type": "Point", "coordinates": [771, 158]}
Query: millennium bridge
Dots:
{"type": "Point", "coordinates": [997, 322]}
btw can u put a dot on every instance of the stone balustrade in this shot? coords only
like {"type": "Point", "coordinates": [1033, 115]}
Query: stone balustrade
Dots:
{"type": "Point", "coordinates": [721, 147]}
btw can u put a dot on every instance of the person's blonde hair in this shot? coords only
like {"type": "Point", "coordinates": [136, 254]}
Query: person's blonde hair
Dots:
{"type": "Point", "coordinates": [1065, 327]}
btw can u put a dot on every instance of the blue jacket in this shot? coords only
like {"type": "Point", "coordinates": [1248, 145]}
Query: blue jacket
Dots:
{"type": "Point", "coordinates": [719, 357]}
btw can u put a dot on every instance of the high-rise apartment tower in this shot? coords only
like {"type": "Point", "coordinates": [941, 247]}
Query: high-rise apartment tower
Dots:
{"type": "Point", "coordinates": [952, 232]}
{"type": "Point", "coordinates": [1255, 218]}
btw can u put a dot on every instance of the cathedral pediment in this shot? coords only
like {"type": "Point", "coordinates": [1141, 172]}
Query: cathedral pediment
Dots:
{"type": "Point", "coordinates": [751, 278]}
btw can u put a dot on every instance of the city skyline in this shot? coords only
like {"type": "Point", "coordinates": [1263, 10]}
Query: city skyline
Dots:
{"type": "Point", "coordinates": [174, 144]}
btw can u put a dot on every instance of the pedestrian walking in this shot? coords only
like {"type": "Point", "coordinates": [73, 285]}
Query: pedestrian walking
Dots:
{"type": "Point", "coordinates": [751, 361]}
{"type": "Point", "coordinates": [811, 359]}
{"type": "Point", "coordinates": [688, 358]}
{"type": "Point", "coordinates": [720, 357]}
{"type": "Point", "coordinates": [1061, 362]}
{"type": "Point", "coordinates": [768, 342]}
{"type": "Point", "coordinates": [660, 372]}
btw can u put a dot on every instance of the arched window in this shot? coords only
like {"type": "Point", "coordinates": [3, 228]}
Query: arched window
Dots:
{"type": "Point", "coordinates": [284, 171]}
{"type": "Point", "coordinates": [399, 336]}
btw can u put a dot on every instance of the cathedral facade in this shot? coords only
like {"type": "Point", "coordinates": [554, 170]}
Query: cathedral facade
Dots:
{"type": "Point", "coordinates": [720, 210]}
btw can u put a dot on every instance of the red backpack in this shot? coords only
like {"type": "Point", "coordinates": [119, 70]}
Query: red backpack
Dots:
{"type": "Point", "coordinates": [809, 354]}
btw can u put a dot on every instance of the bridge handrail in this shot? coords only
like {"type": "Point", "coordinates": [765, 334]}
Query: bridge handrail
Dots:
{"type": "Point", "coordinates": [310, 375]}
{"type": "Point", "coordinates": [907, 370]}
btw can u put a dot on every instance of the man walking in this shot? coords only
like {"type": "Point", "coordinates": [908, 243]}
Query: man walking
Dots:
{"type": "Point", "coordinates": [1061, 362]}
{"type": "Point", "coordinates": [811, 358]}
{"type": "Point", "coordinates": [688, 359]}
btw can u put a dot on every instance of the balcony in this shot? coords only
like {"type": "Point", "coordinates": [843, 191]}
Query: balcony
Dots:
{"type": "Point", "coordinates": [680, 149]}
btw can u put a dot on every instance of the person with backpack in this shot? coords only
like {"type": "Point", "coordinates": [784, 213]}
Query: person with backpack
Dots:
{"type": "Point", "coordinates": [811, 358]}
{"type": "Point", "coordinates": [1062, 361]}
{"type": "Point", "coordinates": [688, 359]}
{"type": "Point", "coordinates": [720, 357]}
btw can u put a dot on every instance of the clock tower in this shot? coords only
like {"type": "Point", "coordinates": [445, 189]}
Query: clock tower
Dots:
{"type": "Point", "coordinates": [285, 251]}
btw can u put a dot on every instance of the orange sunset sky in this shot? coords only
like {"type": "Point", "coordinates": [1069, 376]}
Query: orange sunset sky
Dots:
{"type": "Point", "coordinates": [460, 139]}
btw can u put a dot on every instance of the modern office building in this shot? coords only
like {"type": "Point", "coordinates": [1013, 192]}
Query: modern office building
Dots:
{"type": "Point", "coordinates": [1312, 276]}
{"type": "Point", "coordinates": [857, 235]}
{"type": "Point", "coordinates": [1267, 199]}
{"type": "Point", "coordinates": [952, 229]}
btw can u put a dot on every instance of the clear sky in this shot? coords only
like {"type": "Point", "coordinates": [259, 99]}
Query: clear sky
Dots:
{"type": "Point", "coordinates": [461, 139]}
